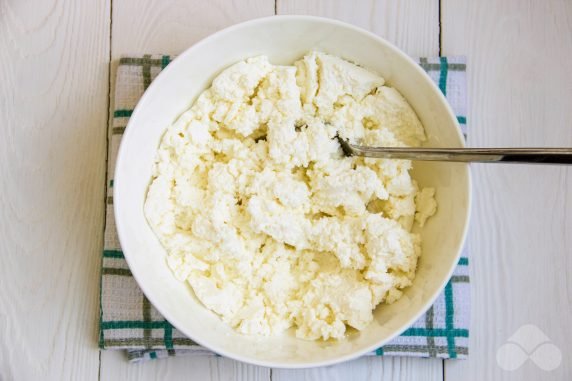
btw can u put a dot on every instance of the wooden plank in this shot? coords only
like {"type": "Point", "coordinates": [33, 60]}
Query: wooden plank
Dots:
{"type": "Point", "coordinates": [169, 27]}
{"type": "Point", "coordinates": [368, 369]}
{"type": "Point", "coordinates": [414, 27]}
{"type": "Point", "coordinates": [53, 106]}
{"type": "Point", "coordinates": [520, 86]}
{"type": "Point", "coordinates": [411, 25]}
{"type": "Point", "coordinates": [116, 367]}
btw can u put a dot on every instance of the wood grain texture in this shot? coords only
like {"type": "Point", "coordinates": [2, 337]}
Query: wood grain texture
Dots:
{"type": "Point", "coordinates": [368, 369]}
{"type": "Point", "coordinates": [412, 25]}
{"type": "Point", "coordinates": [169, 27]}
{"type": "Point", "coordinates": [115, 367]}
{"type": "Point", "coordinates": [520, 87]}
{"type": "Point", "coordinates": [53, 102]}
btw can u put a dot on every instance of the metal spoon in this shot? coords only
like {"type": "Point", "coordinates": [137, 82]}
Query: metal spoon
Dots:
{"type": "Point", "coordinates": [477, 155]}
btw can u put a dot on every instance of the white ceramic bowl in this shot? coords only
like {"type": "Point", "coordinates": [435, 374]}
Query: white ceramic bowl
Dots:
{"type": "Point", "coordinates": [285, 39]}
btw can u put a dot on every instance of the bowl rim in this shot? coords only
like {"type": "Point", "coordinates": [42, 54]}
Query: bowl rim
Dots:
{"type": "Point", "coordinates": [117, 190]}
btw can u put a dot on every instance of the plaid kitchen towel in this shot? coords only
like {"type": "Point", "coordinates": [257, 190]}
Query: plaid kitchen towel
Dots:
{"type": "Point", "coordinates": [128, 321]}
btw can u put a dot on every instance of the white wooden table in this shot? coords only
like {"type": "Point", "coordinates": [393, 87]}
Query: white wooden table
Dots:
{"type": "Point", "coordinates": [55, 82]}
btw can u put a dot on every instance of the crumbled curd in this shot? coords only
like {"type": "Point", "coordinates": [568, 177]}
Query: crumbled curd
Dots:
{"type": "Point", "coordinates": [263, 216]}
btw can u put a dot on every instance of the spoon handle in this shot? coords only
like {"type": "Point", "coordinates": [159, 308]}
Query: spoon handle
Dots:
{"type": "Point", "coordinates": [478, 155]}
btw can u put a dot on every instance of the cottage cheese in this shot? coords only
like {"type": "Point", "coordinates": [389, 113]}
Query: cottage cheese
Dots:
{"type": "Point", "coordinates": [267, 221]}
